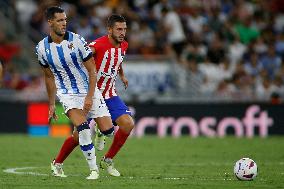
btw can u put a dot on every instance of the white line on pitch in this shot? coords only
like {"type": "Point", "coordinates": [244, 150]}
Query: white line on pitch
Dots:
{"type": "Point", "coordinates": [15, 171]}
{"type": "Point", "coordinates": [19, 171]}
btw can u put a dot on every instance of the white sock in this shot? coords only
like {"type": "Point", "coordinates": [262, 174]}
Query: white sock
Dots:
{"type": "Point", "coordinates": [87, 146]}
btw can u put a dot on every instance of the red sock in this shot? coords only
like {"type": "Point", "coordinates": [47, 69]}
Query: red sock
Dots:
{"type": "Point", "coordinates": [67, 147]}
{"type": "Point", "coordinates": [118, 141]}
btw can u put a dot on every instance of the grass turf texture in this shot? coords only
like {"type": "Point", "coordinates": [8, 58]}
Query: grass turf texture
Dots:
{"type": "Point", "coordinates": [149, 162]}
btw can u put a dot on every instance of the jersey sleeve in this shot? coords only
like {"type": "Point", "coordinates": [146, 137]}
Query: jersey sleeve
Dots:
{"type": "Point", "coordinates": [84, 49]}
{"type": "Point", "coordinates": [41, 59]}
{"type": "Point", "coordinates": [93, 45]}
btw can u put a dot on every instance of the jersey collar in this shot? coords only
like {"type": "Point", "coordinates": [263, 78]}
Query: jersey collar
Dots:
{"type": "Point", "coordinates": [66, 37]}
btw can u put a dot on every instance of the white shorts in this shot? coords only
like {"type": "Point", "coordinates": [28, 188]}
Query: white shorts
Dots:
{"type": "Point", "coordinates": [76, 101]}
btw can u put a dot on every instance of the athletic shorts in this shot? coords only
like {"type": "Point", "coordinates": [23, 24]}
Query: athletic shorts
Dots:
{"type": "Point", "coordinates": [76, 101]}
{"type": "Point", "coordinates": [116, 107]}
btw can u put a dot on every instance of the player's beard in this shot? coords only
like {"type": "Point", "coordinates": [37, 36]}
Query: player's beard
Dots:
{"type": "Point", "coordinates": [58, 33]}
{"type": "Point", "coordinates": [116, 39]}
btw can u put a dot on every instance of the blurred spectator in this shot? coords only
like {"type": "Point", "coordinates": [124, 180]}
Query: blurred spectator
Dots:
{"type": "Point", "coordinates": [224, 89]}
{"type": "Point", "coordinates": [102, 10]}
{"type": "Point", "coordinates": [35, 90]}
{"type": "Point", "coordinates": [195, 77]}
{"type": "Point", "coordinates": [25, 9]}
{"type": "Point", "coordinates": [94, 34]}
{"type": "Point", "coordinates": [279, 23]}
{"type": "Point", "coordinates": [236, 50]}
{"type": "Point", "coordinates": [195, 22]}
{"type": "Point", "coordinates": [216, 52]}
{"type": "Point", "coordinates": [157, 8]}
{"type": "Point", "coordinates": [271, 62]}
{"type": "Point", "coordinates": [14, 80]}
{"type": "Point", "coordinates": [174, 30]}
{"type": "Point", "coordinates": [8, 48]}
{"type": "Point", "coordinates": [246, 32]}
{"type": "Point", "coordinates": [279, 44]}
{"type": "Point", "coordinates": [195, 52]}
{"type": "Point", "coordinates": [84, 28]}
{"type": "Point", "coordinates": [278, 84]}
{"type": "Point", "coordinates": [83, 7]}
{"type": "Point", "coordinates": [211, 72]}
{"type": "Point", "coordinates": [259, 46]}
{"type": "Point", "coordinates": [72, 16]}
{"type": "Point", "coordinates": [253, 66]}
{"type": "Point", "coordinates": [242, 84]}
{"type": "Point", "coordinates": [264, 89]}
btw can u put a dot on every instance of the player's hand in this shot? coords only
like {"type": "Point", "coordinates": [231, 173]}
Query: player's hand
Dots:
{"type": "Point", "coordinates": [51, 113]}
{"type": "Point", "coordinates": [124, 81]}
{"type": "Point", "coordinates": [88, 104]}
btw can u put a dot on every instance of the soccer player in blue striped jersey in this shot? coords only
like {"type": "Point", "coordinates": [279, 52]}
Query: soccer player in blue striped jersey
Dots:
{"type": "Point", "coordinates": [69, 71]}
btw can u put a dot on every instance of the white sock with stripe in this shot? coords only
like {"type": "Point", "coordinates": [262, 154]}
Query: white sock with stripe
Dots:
{"type": "Point", "coordinates": [86, 145]}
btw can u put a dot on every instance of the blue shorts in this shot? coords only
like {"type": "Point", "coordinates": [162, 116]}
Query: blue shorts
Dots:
{"type": "Point", "coordinates": [116, 108]}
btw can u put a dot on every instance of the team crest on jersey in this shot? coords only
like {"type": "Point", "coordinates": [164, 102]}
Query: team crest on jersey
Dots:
{"type": "Point", "coordinates": [71, 46]}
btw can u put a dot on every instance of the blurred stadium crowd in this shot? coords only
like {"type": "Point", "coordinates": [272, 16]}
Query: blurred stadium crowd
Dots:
{"type": "Point", "coordinates": [232, 49]}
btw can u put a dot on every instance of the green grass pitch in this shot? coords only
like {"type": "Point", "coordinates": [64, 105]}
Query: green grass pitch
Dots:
{"type": "Point", "coordinates": [150, 162]}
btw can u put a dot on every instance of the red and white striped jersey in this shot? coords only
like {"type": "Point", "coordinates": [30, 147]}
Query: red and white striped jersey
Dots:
{"type": "Point", "coordinates": [108, 61]}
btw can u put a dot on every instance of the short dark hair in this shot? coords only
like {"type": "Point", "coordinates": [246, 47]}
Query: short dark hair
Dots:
{"type": "Point", "coordinates": [50, 12]}
{"type": "Point", "coordinates": [113, 19]}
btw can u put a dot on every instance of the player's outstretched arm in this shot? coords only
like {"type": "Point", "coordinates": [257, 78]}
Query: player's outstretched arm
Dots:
{"type": "Point", "coordinates": [51, 91]}
{"type": "Point", "coordinates": [89, 64]}
{"type": "Point", "coordinates": [122, 77]}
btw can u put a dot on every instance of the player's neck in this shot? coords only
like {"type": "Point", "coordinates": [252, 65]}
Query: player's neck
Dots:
{"type": "Point", "coordinates": [113, 42]}
{"type": "Point", "coordinates": [56, 38]}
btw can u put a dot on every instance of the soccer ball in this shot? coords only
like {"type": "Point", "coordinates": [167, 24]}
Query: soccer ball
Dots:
{"type": "Point", "coordinates": [245, 169]}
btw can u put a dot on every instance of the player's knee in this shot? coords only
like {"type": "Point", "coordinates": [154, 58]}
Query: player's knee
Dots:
{"type": "Point", "coordinates": [128, 125]}
{"type": "Point", "coordinates": [125, 123]}
{"type": "Point", "coordinates": [131, 125]}
{"type": "Point", "coordinates": [109, 132]}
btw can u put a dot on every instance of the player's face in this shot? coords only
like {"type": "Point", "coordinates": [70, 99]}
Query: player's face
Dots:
{"type": "Point", "coordinates": [58, 23]}
{"type": "Point", "coordinates": [118, 31]}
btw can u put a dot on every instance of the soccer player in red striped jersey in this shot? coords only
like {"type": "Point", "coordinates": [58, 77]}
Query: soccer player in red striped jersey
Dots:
{"type": "Point", "coordinates": [108, 58]}
{"type": "Point", "coordinates": [108, 52]}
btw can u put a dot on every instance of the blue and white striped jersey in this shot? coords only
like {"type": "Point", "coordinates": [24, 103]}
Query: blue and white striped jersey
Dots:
{"type": "Point", "coordinates": [66, 62]}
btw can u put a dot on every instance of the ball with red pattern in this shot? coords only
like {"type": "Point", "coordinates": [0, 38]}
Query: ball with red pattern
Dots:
{"type": "Point", "coordinates": [245, 169]}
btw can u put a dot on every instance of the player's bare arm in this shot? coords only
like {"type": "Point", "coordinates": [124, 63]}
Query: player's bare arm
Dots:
{"type": "Point", "coordinates": [89, 64]}
{"type": "Point", "coordinates": [51, 91]}
{"type": "Point", "coordinates": [93, 50]}
{"type": "Point", "coordinates": [122, 77]}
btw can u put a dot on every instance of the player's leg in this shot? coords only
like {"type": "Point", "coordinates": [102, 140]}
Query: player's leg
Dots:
{"type": "Point", "coordinates": [78, 119]}
{"type": "Point", "coordinates": [126, 124]}
{"type": "Point", "coordinates": [101, 115]}
{"type": "Point", "coordinates": [103, 129]}
{"type": "Point", "coordinates": [121, 114]}
{"type": "Point", "coordinates": [72, 141]}
{"type": "Point", "coordinates": [68, 146]}
{"type": "Point", "coordinates": [99, 109]}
